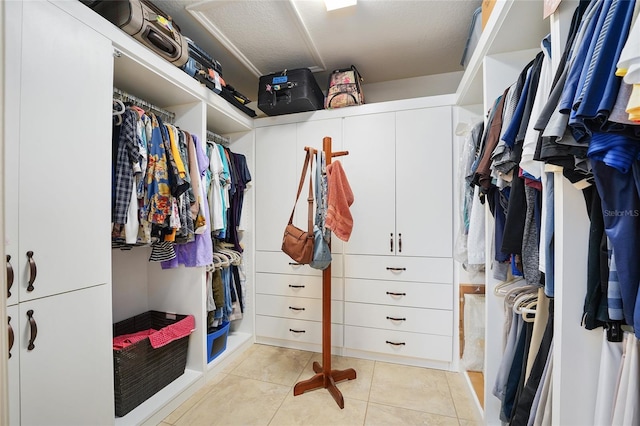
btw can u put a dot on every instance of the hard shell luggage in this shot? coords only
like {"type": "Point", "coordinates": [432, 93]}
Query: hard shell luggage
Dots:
{"type": "Point", "coordinates": [289, 91]}
{"type": "Point", "coordinates": [475, 31]}
{"type": "Point", "coordinates": [147, 24]}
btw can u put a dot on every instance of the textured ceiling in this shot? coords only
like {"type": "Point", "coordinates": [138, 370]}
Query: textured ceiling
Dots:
{"type": "Point", "coordinates": [386, 39]}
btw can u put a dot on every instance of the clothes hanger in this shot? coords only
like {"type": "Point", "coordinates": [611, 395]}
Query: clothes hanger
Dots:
{"type": "Point", "coordinates": [503, 287]}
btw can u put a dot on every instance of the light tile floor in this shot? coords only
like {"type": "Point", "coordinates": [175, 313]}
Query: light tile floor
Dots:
{"type": "Point", "coordinates": [257, 389]}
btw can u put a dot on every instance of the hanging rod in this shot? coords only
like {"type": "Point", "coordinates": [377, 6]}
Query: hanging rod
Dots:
{"type": "Point", "coordinates": [214, 137]}
{"type": "Point", "coordinates": [168, 115]}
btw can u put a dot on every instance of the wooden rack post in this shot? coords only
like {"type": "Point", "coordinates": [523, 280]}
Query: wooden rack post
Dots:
{"type": "Point", "coordinates": [325, 377]}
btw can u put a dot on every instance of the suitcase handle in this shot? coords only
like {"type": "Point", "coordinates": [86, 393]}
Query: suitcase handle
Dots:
{"type": "Point", "coordinates": [161, 43]}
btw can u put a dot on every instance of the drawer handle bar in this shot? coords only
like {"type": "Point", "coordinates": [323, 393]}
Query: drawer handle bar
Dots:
{"type": "Point", "coordinates": [11, 336]}
{"type": "Point", "coordinates": [296, 286]}
{"type": "Point", "coordinates": [296, 331]}
{"type": "Point", "coordinates": [400, 242]}
{"type": "Point", "coordinates": [391, 242]}
{"type": "Point", "coordinates": [9, 276]}
{"type": "Point", "coordinates": [33, 270]}
{"type": "Point", "coordinates": [295, 264]}
{"type": "Point", "coordinates": [390, 293]}
{"type": "Point", "coordinates": [395, 269]}
{"type": "Point", "coordinates": [293, 308]}
{"type": "Point", "coordinates": [396, 319]}
{"type": "Point", "coordinates": [396, 343]}
{"type": "Point", "coordinates": [34, 330]}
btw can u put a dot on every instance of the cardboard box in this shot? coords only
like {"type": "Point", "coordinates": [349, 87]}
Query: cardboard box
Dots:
{"type": "Point", "coordinates": [487, 7]}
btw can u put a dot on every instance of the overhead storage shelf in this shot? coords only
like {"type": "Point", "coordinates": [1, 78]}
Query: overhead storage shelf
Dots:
{"type": "Point", "coordinates": [513, 25]}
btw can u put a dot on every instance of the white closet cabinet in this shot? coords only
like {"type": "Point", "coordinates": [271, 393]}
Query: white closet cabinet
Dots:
{"type": "Point", "coordinates": [57, 137]}
{"type": "Point", "coordinates": [400, 169]}
{"type": "Point", "coordinates": [288, 295]}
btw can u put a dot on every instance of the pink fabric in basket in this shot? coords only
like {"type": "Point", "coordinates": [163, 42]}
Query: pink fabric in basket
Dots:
{"type": "Point", "coordinates": [121, 342]}
{"type": "Point", "coordinates": [172, 332]}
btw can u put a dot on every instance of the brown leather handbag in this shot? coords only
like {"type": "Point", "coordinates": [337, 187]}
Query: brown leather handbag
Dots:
{"type": "Point", "coordinates": [298, 244]}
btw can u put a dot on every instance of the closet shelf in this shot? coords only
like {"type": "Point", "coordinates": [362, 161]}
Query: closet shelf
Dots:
{"type": "Point", "coordinates": [141, 72]}
{"type": "Point", "coordinates": [513, 25]}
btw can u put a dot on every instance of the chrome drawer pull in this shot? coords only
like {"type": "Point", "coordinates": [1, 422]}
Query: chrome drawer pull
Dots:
{"type": "Point", "coordinates": [296, 309]}
{"type": "Point", "coordinates": [396, 319]}
{"type": "Point", "coordinates": [296, 331]}
{"type": "Point", "coordinates": [395, 269]}
{"type": "Point", "coordinates": [396, 343]}
{"type": "Point", "coordinates": [390, 293]}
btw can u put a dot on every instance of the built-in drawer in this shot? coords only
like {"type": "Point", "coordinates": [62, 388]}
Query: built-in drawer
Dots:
{"type": "Point", "coordinates": [280, 263]}
{"type": "Point", "coordinates": [401, 343]}
{"type": "Point", "coordinates": [296, 330]}
{"type": "Point", "coordinates": [296, 285]}
{"type": "Point", "coordinates": [399, 268]}
{"type": "Point", "coordinates": [402, 318]}
{"type": "Point", "coordinates": [296, 307]}
{"type": "Point", "coordinates": [399, 293]}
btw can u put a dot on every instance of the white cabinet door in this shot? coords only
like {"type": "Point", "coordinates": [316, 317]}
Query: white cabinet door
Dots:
{"type": "Point", "coordinates": [13, 314]}
{"type": "Point", "coordinates": [370, 169]}
{"type": "Point", "coordinates": [424, 182]}
{"type": "Point", "coordinates": [13, 32]}
{"type": "Point", "coordinates": [64, 154]}
{"type": "Point", "coordinates": [67, 376]}
{"type": "Point", "coordinates": [276, 181]}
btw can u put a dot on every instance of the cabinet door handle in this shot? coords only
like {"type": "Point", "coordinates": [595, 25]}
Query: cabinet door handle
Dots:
{"type": "Point", "coordinates": [395, 343]}
{"type": "Point", "coordinates": [11, 336]}
{"type": "Point", "coordinates": [295, 264]}
{"type": "Point", "coordinates": [296, 331]}
{"type": "Point", "coordinates": [400, 243]}
{"type": "Point", "coordinates": [33, 270]}
{"type": "Point", "coordinates": [34, 330]}
{"type": "Point", "coordinates": [391, 293]}
{"type": "Point", "coordinates": [391, 242]}
{"type": "Point", "coordinates": [296, 286]}
{"type": "Point", "coordinates": [396, 319]}
{"type": "Point", "coordinates": [389, 268]}
{"type": "Point", "coordinates": [9, 276]}
{"type": "Point", "coordinates": [293, 308]}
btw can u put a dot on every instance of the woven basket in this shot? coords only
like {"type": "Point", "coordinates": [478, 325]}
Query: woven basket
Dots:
{"type": "Point", "coordinates": [140, 370]}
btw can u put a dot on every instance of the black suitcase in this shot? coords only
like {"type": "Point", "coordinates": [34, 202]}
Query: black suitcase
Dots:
{"type": "Point", "coordinates": [147, 24]}
{"type": "Point", "coordinates": [289, 91]}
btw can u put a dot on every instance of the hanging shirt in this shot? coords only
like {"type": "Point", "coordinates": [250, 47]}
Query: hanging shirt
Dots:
{"type": "Point", "coordinates": [127, 155]}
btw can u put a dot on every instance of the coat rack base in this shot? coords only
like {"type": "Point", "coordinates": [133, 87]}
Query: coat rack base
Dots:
{"type": "Point", "coordinates": [327, 380]}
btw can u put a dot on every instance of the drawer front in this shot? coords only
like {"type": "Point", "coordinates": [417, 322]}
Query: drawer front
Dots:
{"type": "Point", "coordinates": [399, 268]}
{"type": "Point", "coordinates": [296, 285]}
{"type": "Point", "coordinates": [416, 320]}
{"type": "Point", "coordinates": [400, 343]}
{"type": "Point", "coordinates": [296, 330]}
{"type": "Point", "coordinates": [280, 263]}
{"type": "Point", "coordinates": [296, 307]}
{"type": "Point", "coordinates": [399, 293]}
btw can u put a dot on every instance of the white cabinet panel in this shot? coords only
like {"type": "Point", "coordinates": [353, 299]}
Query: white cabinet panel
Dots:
{"type": "Point", "coordinates": [297, 286]}
{"type": "Point", "coordinates": [70, 364]}
{"type": "Point", "coordinates": [296, 330]}
{"type": "Point", "coordinates": [13, 365]}
{"type": "Point", "coordinates": [275, 183]}
{"type": "Point", "coordinates": [64, 142]}
{"type": "Point", "coordinates": [400, 343]}
{"type": "Point", "coordinates": [296, 307]}
{"type": "Point", "coordinates": [400, 268]}
{"type": "Point", "coordinates": [280, 263]}
{"type": "Point", "coordinates": [370, 168]}
{"type": "Point", "coordinates": [424, 182]}
{"type": "Point", "coordinates": [399, 293]}
{"type": "Point", "coordinates": [402, 318]}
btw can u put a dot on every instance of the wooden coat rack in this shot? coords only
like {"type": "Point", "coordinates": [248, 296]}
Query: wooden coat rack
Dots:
{"type": "Point", "coordinates": [325, 377]}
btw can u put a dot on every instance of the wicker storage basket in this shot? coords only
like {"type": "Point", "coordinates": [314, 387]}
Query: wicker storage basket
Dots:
{"type": "Point", "coordinates": [140, 370]}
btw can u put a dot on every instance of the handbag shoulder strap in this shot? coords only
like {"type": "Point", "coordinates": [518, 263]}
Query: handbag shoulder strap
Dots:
{"type": "Point", "coordinates": [308, 163]}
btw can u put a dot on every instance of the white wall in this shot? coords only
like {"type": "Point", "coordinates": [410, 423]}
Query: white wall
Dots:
{"type": "Point", "coordinates": [4, 419]}
{"type": "Point", "coordinates": [428, 85]}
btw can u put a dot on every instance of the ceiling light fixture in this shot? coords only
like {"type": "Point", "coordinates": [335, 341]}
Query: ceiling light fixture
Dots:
{"type": "Point", "coordinates": [338, 4]}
